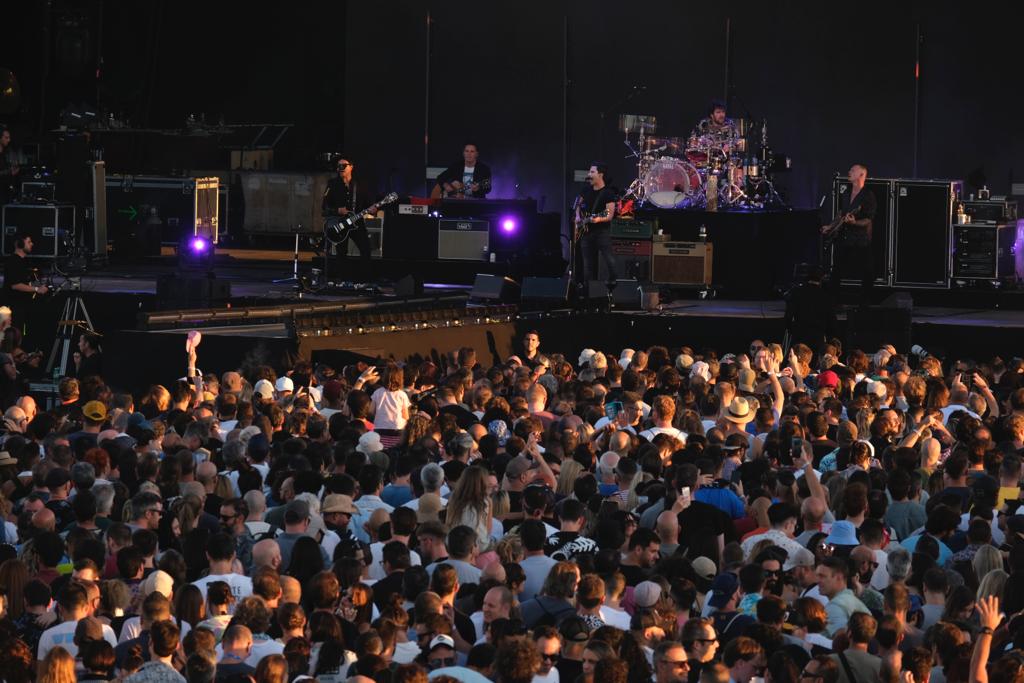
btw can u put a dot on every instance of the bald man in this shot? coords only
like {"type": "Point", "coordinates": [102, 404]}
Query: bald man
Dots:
{"type": "Point", "coordinates": [44, 520]}
{"type": "Point", "coordinates": [291, 590]}
{"type": "Point", "coordinates": [495, 570]}
{"type": "Point", "coordinates": [266, 553]}
{"type": "Point", "coordinates": [812, 513]}
{"type": "Point", "coordinates": [28, 405]}
{"type": "Point", "coordinates": [668, 531]}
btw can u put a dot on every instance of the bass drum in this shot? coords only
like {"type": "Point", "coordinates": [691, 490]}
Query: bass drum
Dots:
{"type": "Point", "coordinates": [671, 183]}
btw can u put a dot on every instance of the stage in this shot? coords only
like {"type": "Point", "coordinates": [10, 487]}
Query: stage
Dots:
{"type": "Point", "coordinates": [972, 323]}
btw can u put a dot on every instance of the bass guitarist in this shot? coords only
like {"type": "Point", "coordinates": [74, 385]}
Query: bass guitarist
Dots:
{"type": "Point", "coordinates": [594, 214]}
{"type": "Point", "coordinates": [850, 233]}
{"type": "Point", "coordinates": [340, 200]}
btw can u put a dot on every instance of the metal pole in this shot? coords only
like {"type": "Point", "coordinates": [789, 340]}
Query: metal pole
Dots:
{"type": "Point", "coordinates": [565, 133]}
{"type": "Point", "coordinates": [728, 61]}
{"type": "Point", "coordinates": [426, 110]}
{"type": "Point", "coordinates": [917, 96]}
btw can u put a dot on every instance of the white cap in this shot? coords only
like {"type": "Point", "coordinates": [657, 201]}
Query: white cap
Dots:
{"type": "Point", "coordinates": [586, 355]}
{"type": "Point", "coordinates": [284, 384]}
{"type": "Point", "coordinates": [264, 389]}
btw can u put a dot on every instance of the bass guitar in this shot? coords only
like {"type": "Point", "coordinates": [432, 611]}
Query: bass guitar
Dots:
{"type": "Point", "coordinates": [831, 232]}
{"type": "Point", "coordinates": [337, 228]}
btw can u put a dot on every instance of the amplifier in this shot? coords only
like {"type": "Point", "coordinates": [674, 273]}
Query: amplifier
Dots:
{"type": "Point", "coordinates": [375, 229]}
{"type": "Point", "coordinates": [283, 203]}
{"type": "Point", "coordinates": [997, 211]}
{"type": "Point", "coordinates": [632, 259]}
{"type": "Point", "coordinates": [633, 229]}
{"type": "Point", "coordinates": [42, 190]}
{"type": "Point", "coordinates": [463, 239]}
{"type": "Point", "coordinates": [983, 252]}
{"type": "Point", "coordinates": [51, 227]}
{"type": "Point", "coordinates": [681, 263]}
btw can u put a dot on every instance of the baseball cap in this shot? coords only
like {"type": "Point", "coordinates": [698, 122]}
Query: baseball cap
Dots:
{"type": "Point", "coordinates": [704, 567]}
{"type": "Point", "coordinates": [89, 628]}
{"type": "Point", "coordinates": [284, 384]}
{"type": "Point", "coordinates": [160, 582]}
{"type": "Point", "coordinates": [518, 465]}
{"type": "Point", "coordinates": [722, 589]}
{"type": "Point", "coordinates": [441, 641]}
{"type": "Point", "coordinates": [95, 411]}
{"type": "Point", "coordinates": [369, 443]}
{"type": "Point", "coordinates": [259, 446]}
{"type": "Point", "coordinates": [574, 629]}
{"type": "Point", "coordinates": [828, 380]}
{"type": "Point", "coordinates": [646, 594]}
{"type": "Point", "coordinates": [264, 389]}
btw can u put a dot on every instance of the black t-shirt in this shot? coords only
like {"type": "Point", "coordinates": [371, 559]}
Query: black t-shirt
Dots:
{"type": "Point", "coordinates": [595, 201]}
{"type": "Point", "coordinates": [569, 669]}
{"type": "Point", "coordinates": [91, 366]}
{"type": "Point", "coordinates": [464, 418]}
{"type": "Point", "coordinates": [17, 271]}
{"type": "Point", "coordinates": [700, 524]}
{"type": "Point", "coordinates": [633, 574]}
{"type": "Point", "coordinates": [864, 205]}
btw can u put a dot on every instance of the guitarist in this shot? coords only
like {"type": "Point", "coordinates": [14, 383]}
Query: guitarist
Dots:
{"type": "Point", "coordinates": [596, 209]}
{"type": "Point", "coordinates": [853, 255]}
{"type": "Point", "coordinates": [340, 200]}
{"type": "Point", "coordinates": [470, 179]}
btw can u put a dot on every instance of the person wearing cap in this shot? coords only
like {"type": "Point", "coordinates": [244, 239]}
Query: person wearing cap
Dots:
{"type": "Point", "coordinates": [284, 387]}
{"type": "Point", "coordinates": [575, 636]}
{"type": "Point", "coordinates": [94, 414]}
{"type": "Point", "coordinates": [220, 551]}
{"type": "Point", "coordinates": [722, 603]}
{"type": "Point", "coordinates": [736, 417]}
{"type": "Point", "coordinates": [58, 482]}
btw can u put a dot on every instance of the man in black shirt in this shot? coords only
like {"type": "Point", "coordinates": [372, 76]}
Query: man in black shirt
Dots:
{"type": "Point", "coordinates": [88, 360]}
{"type": "Point", "coordinates": [20, 286]}
{"type": "Point", "coordinates": [853, 253]}
{"type": "Point", "coordinates": [595, 210]}
{"type": "Point", "coordinates": [340, 200]}
{"type": "Point", "coordinates": [471, 178]}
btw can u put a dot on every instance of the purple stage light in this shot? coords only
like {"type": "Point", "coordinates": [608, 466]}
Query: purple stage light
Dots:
{"type": "Point", "coordinates": [199, 245]}
{"type": "Point", "coordinates": [509, 224]}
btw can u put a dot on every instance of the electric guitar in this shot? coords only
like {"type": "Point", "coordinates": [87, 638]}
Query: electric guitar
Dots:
{"type": "Point", "coordinates": [831, 232]}
{"type": "Point", "coordinates": [337, 228]}
{"type": "Point", "coordinates": [464, 191]}
{"type": "Point", "coordinates": [584, 220]}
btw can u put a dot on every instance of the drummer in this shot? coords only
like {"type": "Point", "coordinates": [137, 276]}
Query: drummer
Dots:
{"type": "Point", "coordinates": [716, 130]}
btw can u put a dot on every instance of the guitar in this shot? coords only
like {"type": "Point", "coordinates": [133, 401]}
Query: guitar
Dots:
{"type": "Point", "coordinates": [337, 228]}
{"type": "Point", "coordinates": [466, 190]}
{"type": "Point", "coordinates": [831, 232]}
{"type": "Point", "coordinates": [584, 220]}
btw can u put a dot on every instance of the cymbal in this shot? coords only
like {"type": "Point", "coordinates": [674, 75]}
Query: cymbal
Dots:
{"type": "Point", "coordinates": [631, 123]}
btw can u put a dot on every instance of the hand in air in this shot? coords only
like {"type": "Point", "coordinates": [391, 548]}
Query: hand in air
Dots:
{"type": "Point", "coordinates": [369, 375]}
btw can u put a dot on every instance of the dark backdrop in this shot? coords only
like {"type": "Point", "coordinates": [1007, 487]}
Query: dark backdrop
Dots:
{"type": "Point", "coordinates": [528, 81]}
{"type": "Point", "coordinates": [835, 82]}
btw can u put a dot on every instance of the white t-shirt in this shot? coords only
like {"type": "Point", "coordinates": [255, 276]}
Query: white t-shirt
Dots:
{"type": "Point", "coordinates": [132, 628]}
{"type": "Point", "coordinates": [262, 645]}
{"type": "Point", "coordinates": [615, 617]}
{"type": "Point", "coordinates": [389, 406]}
{"type": "Point", "coordinates": [377, 553]}
{"type": "Point", "coordinates": [671, 431]}
{"type": "Point", "coordinates": [63, 635]}
{"type": "Point", "coordinates": [405, 653]}
{"type": "Point", "coordinates": [241, 586]}
{"type": "Point", "coordinates": [550, 677]}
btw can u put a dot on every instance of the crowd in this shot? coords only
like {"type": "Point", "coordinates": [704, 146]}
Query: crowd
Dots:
{"type": "Point", "coordinates": [767, 516]}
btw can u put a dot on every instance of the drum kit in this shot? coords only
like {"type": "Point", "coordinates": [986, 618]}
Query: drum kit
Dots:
{"type": "Point", "coordinates": [700, 172]}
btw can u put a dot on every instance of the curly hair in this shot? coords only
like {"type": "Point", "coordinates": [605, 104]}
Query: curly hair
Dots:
{"type": "Point", "coordinates": [517, 659]}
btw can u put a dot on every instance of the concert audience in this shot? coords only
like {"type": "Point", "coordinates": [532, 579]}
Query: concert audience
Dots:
{"type": "Point", "coordinates": [843, 516]}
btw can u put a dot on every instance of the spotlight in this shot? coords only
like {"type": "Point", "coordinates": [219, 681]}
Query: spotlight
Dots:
{"type": "Point", "coordinates": [195, 253]}
{"type": "Point", "coordinates": [199, 245]}
{"type": "Point", "coordinates": [509, 224]}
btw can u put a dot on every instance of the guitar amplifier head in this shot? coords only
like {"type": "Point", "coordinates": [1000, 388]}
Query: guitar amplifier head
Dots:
{"type": "Point", "coordinates": [681, 263]}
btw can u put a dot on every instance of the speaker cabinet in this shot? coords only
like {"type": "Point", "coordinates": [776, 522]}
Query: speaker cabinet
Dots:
{"type": "Point", "coordinates": [463, 239]}
{"type": "Point", "coordinates": [881, 251]}
{"type": "Point", "coordinates": [681, 263]}
{"type": "Point", "coordinates": [495, 288]}
{"type": "Point", "coordinates": [375, 230]}
{"type": "Point", "coordinates": [546, 290]}
{"type": "Point", "coordinates": [922, 224]}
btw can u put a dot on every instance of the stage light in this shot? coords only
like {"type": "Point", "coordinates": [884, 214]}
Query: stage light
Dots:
{"type": "Point", "coordinates": [509, 224]}
{"type": "Point", "coordinates": [195, 253]}
{"type": "Point", "coordinates": [199, 245]}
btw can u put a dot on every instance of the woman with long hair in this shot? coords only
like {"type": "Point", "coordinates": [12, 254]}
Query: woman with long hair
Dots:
{"type": "Point", "coordinates": [328, 656]}
{"type": "Point", "coordinates": [58, 667]}
{"type": "Point", "coordinates": [470, 505]}
{"type": "Point", "coordinates": [391, 406]}
{"type": "Point", "coordinates": [571, 470]}
{"type": "Point", "coordinates": [307, 561]}
{"type": "Point", "coordinates": [189, 605]}
{"type": "Point", "coordinates": [13, 577]}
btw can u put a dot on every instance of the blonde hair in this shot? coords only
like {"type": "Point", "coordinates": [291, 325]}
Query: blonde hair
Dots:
{"type": "Point", "coordinates": [571, 471]}
{"type": "Point", "coordinates": [986, 560]}
{"type": "Point", "coordinates": [992, 584]}
{"type": "Point", "coordinates": [58, 667]}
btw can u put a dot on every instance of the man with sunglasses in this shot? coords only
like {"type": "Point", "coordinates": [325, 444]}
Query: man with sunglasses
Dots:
{"type": "Point", "coordinates": [233, 513]}
{"type": "Point", "coordinates": [821, 669]}
{"type": "Point", "coordinates": [700, 643]}
{"type": "Point", "coordinates": [549, 645]}
{"type": "Point", "coordinates": [671, 663]}
{"type": "Point", "coordinates": [340, 199]}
